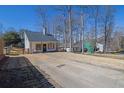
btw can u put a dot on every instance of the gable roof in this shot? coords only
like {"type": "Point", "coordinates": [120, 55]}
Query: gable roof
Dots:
{"type": "Point", "coordinates": [38, 36]}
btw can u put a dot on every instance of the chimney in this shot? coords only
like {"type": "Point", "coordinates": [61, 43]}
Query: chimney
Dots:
{"type": "Point", "coordinates": [44, 31]}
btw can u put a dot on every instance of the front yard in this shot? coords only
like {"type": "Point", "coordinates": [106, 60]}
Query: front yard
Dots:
{"type": "Point", "coordinates": [77, 70]}
{"type": "Point", "coordinates": [61, 69]}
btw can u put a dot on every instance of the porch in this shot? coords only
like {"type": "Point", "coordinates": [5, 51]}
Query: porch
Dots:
{"type": "Point", "coordinates": [38, 47]}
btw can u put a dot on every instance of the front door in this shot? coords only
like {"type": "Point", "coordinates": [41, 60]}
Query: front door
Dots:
{"type": "Point", "coordinates": [44, 47]}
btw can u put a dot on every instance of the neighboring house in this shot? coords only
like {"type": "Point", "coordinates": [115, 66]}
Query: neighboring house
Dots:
{"type": "Point", "coordinates": [77, 47]}
{"type": "Point", "coordinates": [88, 47]}
{"type": "Point", "coordinates": [39, 42]}
{"type": "Point", "coordinates": [99, 47]}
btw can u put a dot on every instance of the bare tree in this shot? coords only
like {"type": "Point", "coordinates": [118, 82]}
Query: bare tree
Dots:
{"type": "Point", "coordinates": [108, 23]}
{"type": "Point", "coordinates": [95, 17]}
{"type": "Point", "coordinates": [83, 19]}
{"type": "Point", "coordinates": [82, 29]}
{"type": "Point", "coordinates": [42, 14]}
{"type": "Point", "coordinates": [63, 12]}
{"type": "Point", "coordinates": [117, 41]}
{"type": "Point", "coordinates": [69, 25]}
{"type": "Point", "coordinates": [59, 30]}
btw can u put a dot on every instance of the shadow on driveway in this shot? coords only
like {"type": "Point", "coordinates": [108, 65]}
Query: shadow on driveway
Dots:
{"type": "Point", "coordinates": [18, 72]}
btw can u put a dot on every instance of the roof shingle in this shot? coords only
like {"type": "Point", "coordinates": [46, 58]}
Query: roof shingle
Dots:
{"type": "Point", "coordinates": [38, 36]}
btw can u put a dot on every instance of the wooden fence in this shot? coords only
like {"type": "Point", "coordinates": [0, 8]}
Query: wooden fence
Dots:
{"type": "Point", "coordinates": [1, 46]}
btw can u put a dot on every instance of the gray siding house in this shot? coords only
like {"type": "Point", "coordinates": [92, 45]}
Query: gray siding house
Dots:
{"type": "Point", "coordinates": [35, 42]}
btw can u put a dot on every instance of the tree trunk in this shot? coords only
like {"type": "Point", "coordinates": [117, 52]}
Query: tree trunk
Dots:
{"type": "Point", "coordinates": [82, 29]}
{"type": "Point", "coordinates": [65, 43]}
{"type": "Point", "coordinates": [70, 30]}
{"type": "Point", "coordinates": [105, 33]}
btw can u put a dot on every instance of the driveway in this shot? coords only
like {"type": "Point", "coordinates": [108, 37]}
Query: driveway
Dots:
{"type": "Point", "coordinates": [76, 70]}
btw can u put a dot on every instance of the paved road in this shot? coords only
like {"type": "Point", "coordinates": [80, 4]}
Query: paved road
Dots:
{"type": "Point", "coordinates": [18, 72]}
{"type": "Point", "coordinates": [76, 70]}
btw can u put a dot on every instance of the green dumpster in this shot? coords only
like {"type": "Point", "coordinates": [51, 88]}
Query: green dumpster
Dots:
{"type": "Point", "coordinates": [89, 47]}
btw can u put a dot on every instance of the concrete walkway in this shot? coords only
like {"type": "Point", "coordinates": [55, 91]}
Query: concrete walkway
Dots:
{"type": "Point", "coordinates": [76, 70]}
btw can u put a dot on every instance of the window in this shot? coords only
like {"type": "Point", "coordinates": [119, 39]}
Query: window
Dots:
{"type": "Point", "coordinates": [38, 46]}
{"type": "Point", "coordinates": [51, 45]}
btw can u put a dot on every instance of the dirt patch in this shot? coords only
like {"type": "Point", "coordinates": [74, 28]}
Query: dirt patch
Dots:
{"type": "Point", "coordinates": [76, 70]}
{"type": "Point", "coordinates": [89, 59]}
{"type": "Point", "coordinates": [114, 56]}
{"type": "Point", "coordinates": [22, 74]}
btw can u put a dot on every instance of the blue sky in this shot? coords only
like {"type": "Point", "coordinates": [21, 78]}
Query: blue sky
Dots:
{"type": "Point", "coordinates": [26, 17]}
{"type": "Point", "coordinates": [119, 15]}
{"type": "Point", "coordinates": [18, 17]}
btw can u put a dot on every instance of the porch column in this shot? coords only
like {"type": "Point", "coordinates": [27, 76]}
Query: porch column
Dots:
{"type": "Point", "coordinates": [41, 46]}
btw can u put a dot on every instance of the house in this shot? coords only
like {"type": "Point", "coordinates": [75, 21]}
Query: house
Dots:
{"type": "Point", "coordinates": [36, 42]}
{"type": "Point", "coordinates": [99, 47]}
{"type": "Point", "coordinates": [88, 47]}
{"type": "Point", "coordinates": [77, 47]}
